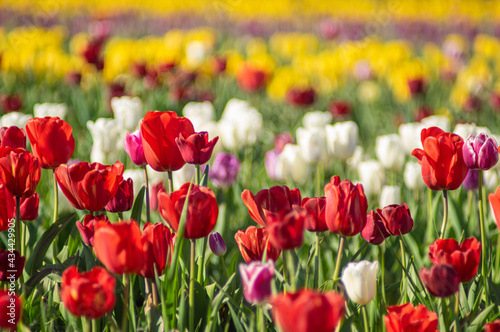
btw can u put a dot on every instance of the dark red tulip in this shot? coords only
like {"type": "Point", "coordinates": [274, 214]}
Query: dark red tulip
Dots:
{"type": "Point", "coordinates": [440, 280]}
{"type": "Point", "coordinates": [407, 318]}
{"type": "Point", "coordinates": [253, 242]}
{"type": "Point", "coordinates": [154, 190]}
{"type": "Point", "coordinates": [340, 109]}
{"type": "Point", "coordinates": [7, 207]}
{"type": "Point", "coordinates": [119, 246]}
{"type": "Point", "coordinates": [196, 148]}
{"type": "Point", "coordinates": [73, 78]}
{"type": "Point", "coordinates": [301, 96]}
{"type": "Point", "coordinates": [270, 201]}
{"type": "Point", "coordinates": [316, 214]}
{"type": "Point", "coordinates": [201, 214]}
{"type": "Point", "coordinates": [29, 207]}
{"type": "Point", "coordinates": [493, 326]}
{"type": "Point", "coordinates": [374, 231]}
{"type": "Point", "coordinates": [416, 86]}
{"type": "Point", "coordinates": [346, 207]}
{"type": "Point", "coordinates": [158, 246]}
{"type": "Point", "coordinates": [11, 310]}
{"type": "Point", "coordinates": [286, 228]}
{"type": "Point", "coordinates": [472, 104]}
{"type": "Point", "coordinates": [89, 186]}
{"type": "Point", "coordinates": [218, 64]}
{"type": "Point", "coordinates": [159, 131]}
{"type": "Point", "coordinates": [11, 265]}
{"type": "Point", "coordinates": [397, 219]}
{"type": "Point", "coordinates": [86, 227]}
{"type": "Point", "coordinates": [14, 137]}
{"type": "Point", "coordinates": [88, 294]}
{"type": "Point", "coordinates": [123, 199]}
{"type": "Point", "coordinates": [464, 257]}
{"type": "Point", "coordinates": [138, 69]}
{"type": "Point", "coordinates": [51, 140]}
{"type": "Point", "coordinates": [19, 171]}
{"type": "Point", "coordinates": [11, 103]}
{"type": "Point", "coordinates": [422, 112]}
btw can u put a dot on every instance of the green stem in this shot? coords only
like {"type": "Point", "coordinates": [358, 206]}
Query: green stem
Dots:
{"type": "Point", "coordinates": [87, 324]}
{"type": "Point", "coordinates": [338, 261]}
{"type": "Point", "coordinates": [381, 250]}
{"type": "Point", "coordinates": [192, 273]}
{"type": "Point", "coordinates": [201, 265]}
{"type": "Point", "coordinates": [444, 311]}
{"type": "Point", "coordinates": [170, 182]}
{"type": "Point", "coordinates": [484, 249]}
{"type": "Point", "coordinates": [292, 268]}
{"type": "Point", "coordinates": [403, 264]}
{"type": "Point", "coordinates": [457, 311]}
{"type": "Point", "coordinates": [365, 318]}
{"type": "Point", "coordinates": [285, 273]}
{"type": "Point", "coordinates": [261, 318]}
{"type": "Point", "coordinates": [197, 175]}
{"type": "Point", "coordinates": [55, 250]}
{"type": "Point", "coordinates": [445, 213]}
{"type": "Point", "coordinates": [316, 262]}
{"type": "Point", "coordinates": [154, 290]}
{"type": "Point", "coordinates": [430, 217]}
{"type": "Point", "coordinates": [95, 325]}
{"type": "Point", "coordinates": [224, 271]}
{"type": "Point", "coordinates": [146, 181]}
{"type": "Point", "coordinates": [126, 299]}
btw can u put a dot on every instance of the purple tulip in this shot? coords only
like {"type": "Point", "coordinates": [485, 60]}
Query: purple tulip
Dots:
{"type": "Point", "coordinates": [217, 244]}
{"type": "Point", "coordinates": [256, 278]}
{"type": "Point", "coordinates": [224, 170]}
{"type": "Point", "coordinates": [471, 181]}
{"type": "Point", "coordinates": [480, 152]}
{"type": "Point", "coordinates": [133, 147]}
{"type": "Point", "coordinates": [271, 160]}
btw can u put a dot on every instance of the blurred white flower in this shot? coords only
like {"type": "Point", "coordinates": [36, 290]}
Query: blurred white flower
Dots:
{"type": "Point", "coordinates": [390, 151]}
{"type": "Point", "coordinates": [356, 158]}
{"type": "Point", "coordinates": [312, 142]}
{"type": "Point", "coordinates": [128, 112]}
{"type": "Point", "coordinates": [413, 176]}
{"type": "Point", "coordinates": [107, 143]}
{"type": "Point", "coordinates": [240, 124]}
{"type": "Point", "coordinates": [360, 281]}
{"type": "Point", "coordinates": [183, 175]}
{"type": "Point", "coordinates": [372, 176]}
{"type": "Point", "coordinates": [15, 119]}
{"type": "Point", "coordinates": [196, 51]}
{"type": "Point", "coordinates": [199, 114]}
{"type": "Point", "coordinates": [410, 135]}
{"type": "Point", "coordinates": [291, 164]}
{"type": "Point", "coordinates": [440, 121]}
{"type": "Point", "coordinates": [316, 119]}
{"type": "Point", "coordinates": [390, 195]}
{"type": "Point", "coordinates": [137, 176]}
{"type": "Point", "coordinates": [465, 129]}
{"type": "Point", "coordinates": [342, 139]}
{"type": "Point", "coordinates": [50, 109]}
{"type": "Point", "coordinates": [490, 179]}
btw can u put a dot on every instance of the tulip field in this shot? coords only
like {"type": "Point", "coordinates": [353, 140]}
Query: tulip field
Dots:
{"type": "Point", "coordinates": [228, 165]}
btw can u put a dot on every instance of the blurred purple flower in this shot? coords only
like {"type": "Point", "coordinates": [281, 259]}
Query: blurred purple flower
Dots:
{"type": "Point", "coordinates": [471, 181]}
{"type": "Point", "coordinates": [224, 170]}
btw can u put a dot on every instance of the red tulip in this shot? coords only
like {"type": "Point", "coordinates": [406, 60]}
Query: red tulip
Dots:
{"type": "Point", "coordinates": [86, 227]}
{"type": "Point", "coordinates": [11, 103]}
{"type": "Point", "coordinates": [407, 318]}
{"type": "Point", "coordinates": [29, 207]}
{"type": "Point", "coordinates": [440, 280]}
{"type": "Point", "coordinates": [11, 310]}
{"type": "Point", "coordinates": [251, 79]}
{"type": "Point", "coordinates": [154, 190]}
{"type": "Point", "coordinates": [270, 201]}
{"type": "Point", "coordinates": [374, 231]}
{"type": "Point", "coordinates": [11, 265]}
{"type": "Point", "coordinates": [253, 241]}
{"type": "Point", "coordinates": [416, 86]}
{"type": "Point", "coordinates": [51, 140]}
{"type": "Point", "coordinates": [123, 199]}
{"type": "Point", "coordinates": [308, 311]}
{"type": "Point", "coordinates": [14, 137]}
{"type": "Point", "coordinates": [195, 148]}
{"type": "Point", "coordinates": [493, 326]}
{"type": "Point", "coordinates": [89, 186]}
{"type": "Point", "coordinates": [346, 207]}
{"type": "Point", "coordinates": [158, 246]}
{"type": "Point", "coordinates": [301, 96]}
{"type": "Point", "coordinates": [119, 246]}
{"type": "Point", "coordinates": [340, 109]}
{"type": "Point", "coordinates": [7, 206]}
{"type": "Point", "coordinates": [159, 131]}
{"type": "Point", "coordinates": [201, 214]}
{"type": "Point", "coordinates": [443, 166]}
{"type": "Point", "coordinates": [88, 294]}
{"type": "Point", "coordinates": [397, 219]}
{"type": "Point", "coordinates": [316, 214]}
{"type": "Point", "coordinates": [286, 228]}
{"type": "Point", "coordinates": [495, 205]}
{"type": "Point", "coordinates": [463, 257]}
{"type": "Point", "coordinates": [19, 171]}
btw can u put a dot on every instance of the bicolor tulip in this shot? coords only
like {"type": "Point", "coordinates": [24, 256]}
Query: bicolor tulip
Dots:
{"type": "Point", "coordinates": [253, 242]}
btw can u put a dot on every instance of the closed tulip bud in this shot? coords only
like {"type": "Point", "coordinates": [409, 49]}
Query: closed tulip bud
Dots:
{"type": "Point", "coordinates": [158, 248]}
{"type": "Point", "coordinates": [7, 321]}
{"type": "Point", "coordinates": [10, 102]}
{"type": "Point", "coordinates": [316, 214]}
{"type": "Point", "coordinates": [253, 242]}
{"type": "Point", "coordinates": [374, 231]}
{"type": "Point", "coordinates": [14, 137]}
{"type": "Point", "coordinates": [286, 228]}
{"type": "Point", "coordinates": [342, 138]}
{"type": "Point", "coordinates": [123, 199]}
{"type": "Point", "coordinates": [19, 171]}
{"type": "Point", "coordinates": [217, 244]}
{"type": "Point", "coordinates": [493, 326]}
{"type": "Point", "coordinates": [133, 147]}
{"type": "Point", "coordinates": [480, 152]}
{"type": "Point", "coordinates": [11, 264]}
{"type": "Point", "coordinates": [390, 195]}
{"type": "Point", "coordinates": [257, 278]}
{"type": "Point", "coordinates": [416, 86]}
{"type": "Point", "coordinates": [397, 219]}
{"type": "Point", "coordinates": [196, 148]}
{"type": "Point", "coordinates": [291, 164]}
{"type": "Point", "coordinates": [360, 281]}
{"type": "Point", "coordinates": [441, 280]}
{"type": "Point", "coordinates": [413, 176]}
{"type": "Point", "coordinates": [88, 294]}
{"type": "Point", "coordinates": [29, 207]}
{"type": "Point", "coordinates": [86, 227]}
{"type": "Point", "coordinates": [390, 152]}
{"type": "Point", "coordinates": [300, 96]}
{"type": "Point", "coordinates": [406, 317]}
{"type": "Point", "coordinates": [312, 144]}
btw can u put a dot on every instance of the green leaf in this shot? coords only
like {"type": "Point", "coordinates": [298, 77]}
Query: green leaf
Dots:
{"type": "Point", "coordinates": [41, 247]}
{"type": "Point", "coordinates": [137, 207]}
{"type": "Point", "coordinates": [204, 178]}
{"type": "Point", "coordinates": [236, 320]}
{"type": "Point", "coordinates": [478, 322]}
{"type": "Point", "coordinates": [35, 279]}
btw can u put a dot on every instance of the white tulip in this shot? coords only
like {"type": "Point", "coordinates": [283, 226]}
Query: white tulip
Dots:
{"type": "Point", "coordinates": [50, 109]}
{"type": "Point", "coordinates": [316, 119]}
{"type": "Point", "coordinates": [490, 179]}
{"type": "Point", "coordinates": [413, 176]}
{"type": "Point", "coordinates": [128, 112]}
{"type": "Point", "coordinates": [409, 134]}
{"type": "Point", "coordinates": [212, 128]}
{"type": "Point", "coordinates": [342, 138]}
{"type": "Point", "coordinates": [372, 176]}
{"type": "Point", "coordinates": [137, 176]}
{"type": "Point", "coordinates": [356, 158]}
{"type": "Point", "coordinates": [360, 281]}
{"type": "Point", "coordinates": [390, 195]}
{"type": "Point", "coordinates": [107, 143]}
{"type": "Point", "coordinates": [390, 151]}
{"type": "Point", "coordinates": [196, 51]}
{"type": "Point", "coordinates": [439, 121]}
{"type": "Point", "coordinates": [312, 142]}
{"type": "Point", "coordinates": [291, 164]}
{"type": "Point", "coordinates": [199, 113]}
{"type": "Point", "coordinates": [465, 129]}
{"type": "Point", "coordinates": [15, 119]}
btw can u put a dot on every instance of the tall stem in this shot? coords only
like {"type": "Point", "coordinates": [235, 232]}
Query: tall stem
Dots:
{"type": "Point", "coordinates": [316, 262]}
{"type": "Point", "coordinates": [261, 318]}
{"type": "Point", "coordinates": [445, 213]}
{"type": "Point", "coordinates": [201, 266]}
{"type": "Point", "coordinates": [192, 273]}
{"type": "Point", "coordinates": [146, 181]}
{"type": "Point", "coordinates": [403, 264]}
{"type": "Point", "coordinates": [484, 249]}
{"type": "Point", "coordinates": [285, 273]}
{"type": "Point", "coordinates": [197, 174]}
{"type": "Point", "coordinates": [56, 207]}
{"type": "Point", "coordinates": [365, 318]}
{"type": "Point", "coordinates": [457, 311]}
{"type": "Point", "coordinates": [339, 260]}
{"type": "Point", "coordinates": [292, 268]}
{"type": "Point", "coordinates": [170, 182]}
{"type": "Point", "coordinates": [381, 250]}
{"type": "Point", "coordinates": [154, 289]}
{"type": "Point", "coordinates": [126, 299]}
